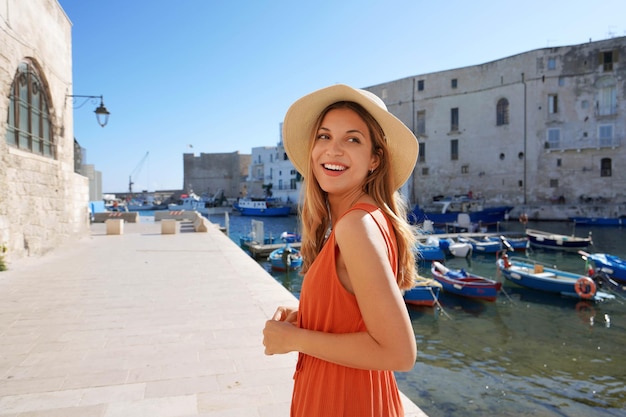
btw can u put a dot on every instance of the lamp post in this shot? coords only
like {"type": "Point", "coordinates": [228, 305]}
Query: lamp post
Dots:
{"type": "Point", "coordinates": [102, 114]}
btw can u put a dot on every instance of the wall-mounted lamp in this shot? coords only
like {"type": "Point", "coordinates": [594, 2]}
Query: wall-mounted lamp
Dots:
{"type": "Point", "coordinates": [102, 114]}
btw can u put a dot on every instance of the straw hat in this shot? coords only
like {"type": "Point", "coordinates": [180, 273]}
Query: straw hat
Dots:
{"type": "Point", "coordinates": [302, 115]}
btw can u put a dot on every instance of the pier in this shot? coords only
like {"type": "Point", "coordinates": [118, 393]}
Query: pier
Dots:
{"type": "Point", "coordinates": [143, 324]}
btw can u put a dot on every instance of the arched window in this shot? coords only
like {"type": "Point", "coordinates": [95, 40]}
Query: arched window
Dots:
{"type": "Point", "coordinates": [28, 119]}
{"type": "Point", "coordinates": [502, 112]}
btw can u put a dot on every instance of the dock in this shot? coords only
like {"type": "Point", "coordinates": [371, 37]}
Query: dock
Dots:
{"type": "Point", "coordinates": [143, 323]}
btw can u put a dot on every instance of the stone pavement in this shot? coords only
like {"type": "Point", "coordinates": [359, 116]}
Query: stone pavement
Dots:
{"type": "Point", "coordinates": [142, 324]}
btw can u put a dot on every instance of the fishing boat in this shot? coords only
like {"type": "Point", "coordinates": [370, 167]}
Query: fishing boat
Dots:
{"type": "Point", "coordinates": [446, 211]}
{"type": "Point", "coordinates": [461, 282]}
{"type": "Point", "coordinates": [267, 207]}
{"type": "Point", "coordinates": [518, 243]}
{"type": "Point", "coordinates": [613, 266]}
{"type": "Point", "coordinates": [455, 248]}
{"type": "Point", "coordinates": [424, 293]}
{"type": "Point", "coordinates": [550, 240]}
{"type": "Point", "coordinates": [538, 276]}
{"type": "Point", "coordinates": [599, 221]}
{"type": "Point", "coordinates": [193, 202]}
{"type": "Point", "coordinates": [429, 251]}
{"type": "Point", "coordinates": [286, 258]}
{"type": "Point", "coordinates": [481, 245]}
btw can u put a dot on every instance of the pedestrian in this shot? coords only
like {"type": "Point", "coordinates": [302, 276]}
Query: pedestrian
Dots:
{"type": "Point", "coordinates": [351, 327]}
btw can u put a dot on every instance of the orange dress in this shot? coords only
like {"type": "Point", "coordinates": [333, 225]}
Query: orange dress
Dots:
{"type": "Point", "coordinates": [325, 389]}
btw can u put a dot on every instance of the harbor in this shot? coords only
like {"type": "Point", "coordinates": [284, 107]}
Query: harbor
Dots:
{"type": "Point", "coordinates": [527, 353]}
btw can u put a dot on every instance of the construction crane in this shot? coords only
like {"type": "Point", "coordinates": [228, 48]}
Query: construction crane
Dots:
{"type": "Point", "coordinates": [136, 172]}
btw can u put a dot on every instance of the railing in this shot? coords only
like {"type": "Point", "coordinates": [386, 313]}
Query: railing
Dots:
{"type": "Point", "coordinates": [587, 143]}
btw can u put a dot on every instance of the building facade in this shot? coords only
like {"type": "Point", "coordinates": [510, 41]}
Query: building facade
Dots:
{"type": "Point", "coordinates": [270, 169]}
{"type": "Point", "coordinates": [43, 200]}
{"type": "Point", "coordinates": [210, 174]}
{"type": "Point", "coordinates": [545, 126]}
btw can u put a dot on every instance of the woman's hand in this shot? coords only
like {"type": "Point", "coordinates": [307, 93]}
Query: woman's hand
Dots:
{"type": "Point", "coordinates": [279, 331]}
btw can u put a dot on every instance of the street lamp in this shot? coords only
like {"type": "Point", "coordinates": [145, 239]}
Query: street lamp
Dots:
{"type": "Point", "coordinates": [102, 114]}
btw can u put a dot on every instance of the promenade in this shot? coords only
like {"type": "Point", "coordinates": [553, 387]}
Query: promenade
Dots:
{"type": "Point", "coordinates": [142, 324]}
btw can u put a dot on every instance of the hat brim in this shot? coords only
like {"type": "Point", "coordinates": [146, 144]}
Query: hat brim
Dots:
{"type": "Point", "coordinates": [300, 119]}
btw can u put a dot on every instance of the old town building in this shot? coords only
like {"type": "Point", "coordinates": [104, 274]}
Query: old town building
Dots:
{"type": "Point", "coordinates": [44, 201]}
{"type": "Point", "coordinates": [541, 127]}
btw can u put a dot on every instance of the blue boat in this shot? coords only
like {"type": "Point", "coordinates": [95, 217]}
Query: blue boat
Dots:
{"type": "Point", "coordinates": [613, 266]}
{"type": "Point", "coordinates": [424, 293]}
{"type": "Point", "coordinates": [535, 275]}
{"type": "Point", "coordinates": [447, 210]}
{"type": "Point", "coordinates": [429, 252]}
{"type": "Point", "coordinates": [460, 282]}
{"type": "Point", "coordinates": [267, 207]}
{"type": "Point", "coordinates": [286, 258]}
{"type": "Point", "coordinates": [549, 240]}
{"type": "Point", "coordinates": [599, 221]}
{"type": "Point", "coordinates": [481, 245]}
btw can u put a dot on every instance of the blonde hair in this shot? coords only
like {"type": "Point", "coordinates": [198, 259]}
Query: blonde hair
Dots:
{"type": "Point", "coordinates": [378, 185]}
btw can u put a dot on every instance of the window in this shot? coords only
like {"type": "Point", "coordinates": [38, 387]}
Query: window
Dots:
{"type": "Point", "coordinates": [552, 63]}
{"type": "Point", "coordinates": [558, 162]}
{"type": "Point", "coordinates": [605, 135]}
{"type": "Point", "coordinates": [29, 126]}
{"type": "Point", "coordinates": [553, 103]}
{"type": "Point", "coordinates": [606, 59]}
{"type": "Point", "coordinates": [454, 149]}
{"type": "Point", "coordinates": [420, 85]}
{"type": "Point", "coordinates": [421, 157]}
{"type": "Point", "coordinates": [554, 139]}
{"type": "Point", "coordinates": [465, 169]}
{"type": "Point", "coordinates": [607, 97]}
{"type": "Point", "coordinates": [502, 112]}
{"type": "Point", "coordinates": [425, 171]}
{"type": "Point", "coordinates": [454, 83]}
{"type": "Point", "coordinates": [454, 119]}
{"type": "Point", "coordinates": [421, 123]}
{"type": "Point", "coordinates": [554, 183]}
{"type": "Point", "coordinates": [605, 167]}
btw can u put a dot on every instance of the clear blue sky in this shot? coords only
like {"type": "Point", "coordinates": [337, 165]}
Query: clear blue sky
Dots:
{"type": "Point", "coordinates": [218, 76]}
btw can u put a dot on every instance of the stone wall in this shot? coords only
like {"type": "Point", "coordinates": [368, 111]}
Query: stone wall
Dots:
{"type": "Point", "coordinates": [43, 202]}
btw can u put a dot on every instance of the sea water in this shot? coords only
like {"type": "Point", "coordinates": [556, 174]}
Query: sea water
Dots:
{"type": "Point", "coordinates": [529, 353]}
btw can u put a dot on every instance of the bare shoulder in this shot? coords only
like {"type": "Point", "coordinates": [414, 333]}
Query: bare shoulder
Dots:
{"type": "Point", "coordinates": [355, 227]}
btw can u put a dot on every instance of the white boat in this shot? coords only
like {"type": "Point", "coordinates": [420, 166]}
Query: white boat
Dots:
{"type": "Point", "coordinates": [193, 202]}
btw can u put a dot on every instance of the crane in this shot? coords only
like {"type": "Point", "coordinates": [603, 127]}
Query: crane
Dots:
{"type": "Point", "coordinates": [135, 172]}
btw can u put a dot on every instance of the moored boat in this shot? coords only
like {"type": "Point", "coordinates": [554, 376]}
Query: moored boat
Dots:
{"type": "Point", "coordinates": [424, 293]}
{"type": "Point", "coordinates": [481, 245]}
{"type": "Point", "coordinates": [462, 283]}
{"type": "Point", "coordinates": [429, 251]}
{"type": "Point", "coordinates": [599, 221]}
{"type": "Point", "coordinates": [550, 240]}
{"type": "Point", "coordinates": [613, 266]}
{"type": "Point", "coordinates": [535, 275]}
{"type": "Point", "coordinates": [267, 207]}
{"type": "Point", "coordinates": [285, 258]}
{"type": "Point", "coordinates": [446, 211]}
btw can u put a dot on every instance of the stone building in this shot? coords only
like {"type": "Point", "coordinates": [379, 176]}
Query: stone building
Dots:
{"type": "Point", "coordinates": [210, 174]}
{"type": "Point", "coordinates": [271, 169]}
{"type": "Point", "coordinates": [43, 201]}
{"type": "Point", "coordinates": [544, 126]}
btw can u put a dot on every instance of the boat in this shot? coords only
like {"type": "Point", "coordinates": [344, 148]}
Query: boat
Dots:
{"type": "Point", "coordinates": [550, 240]}
{"type": "Point", "coordinates": [446, 211]}
{"type": "Point", "coordinates": [424, 293]}
{"type": "Point", "coordinates": [286, 258]}
{"type": "Point", "coordinates": [267, 207]}
{"type": "Point", "coordinates": [538, 276]}
{"type": "Point", "coordinates": [455, 248]}
{"type": "Point", "coordinates": [599, 221]}
{"type": "Point", "coordinates": [193, 202]}
{"type": "Point", "coordinates": [465, 284]}
{"type": "Point", "coordinates": [429, 251]}
{"type": "Point", "coordinates": [519, 243]}
{"type": "Point", "coordinates": [613, 266]}
{"type": "Point", "coordinates": [481, 245]}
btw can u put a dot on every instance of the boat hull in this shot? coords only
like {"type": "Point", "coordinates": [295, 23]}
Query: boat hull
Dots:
{"type": "Point", "coordinates": [551, 280]}
{"type": "Point", "coordinates": [422, 295]}
{"type": "Point", "coordinates": [611, 265]}
{"type": "Point", "coordinates": [599, 221]}
{"type": "Point", "coordinates": [285, 261]}
{"type": "Point", "coordinates": [486, 216]}
{"type": "Point", "coordinates": [463, 284]}
{"type": "Point", "coordinates": [267, 212]}
{"type": "Point", "coordinates": [555, 241]}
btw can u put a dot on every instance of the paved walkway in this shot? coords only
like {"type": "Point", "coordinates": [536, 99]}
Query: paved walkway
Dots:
{"type": "Point", "coordinates": [142, 324]}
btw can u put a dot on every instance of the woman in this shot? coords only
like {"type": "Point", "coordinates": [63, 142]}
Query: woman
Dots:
{"type": "Point", "coordinates": [352, 328]}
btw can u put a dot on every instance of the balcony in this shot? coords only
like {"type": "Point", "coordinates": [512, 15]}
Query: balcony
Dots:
{"type": "Point", "coordinates": [585, 143]}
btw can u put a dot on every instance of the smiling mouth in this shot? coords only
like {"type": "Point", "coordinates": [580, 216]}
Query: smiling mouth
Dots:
{"type": "Point", "coordinates": [333, 167]}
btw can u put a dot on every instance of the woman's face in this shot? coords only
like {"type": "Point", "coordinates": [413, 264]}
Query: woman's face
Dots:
{"type": "Point", "coordinates": [342, 153]}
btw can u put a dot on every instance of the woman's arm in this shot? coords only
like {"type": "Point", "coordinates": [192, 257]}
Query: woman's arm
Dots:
{"type": "Point", "coordinates": [389, 342]}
